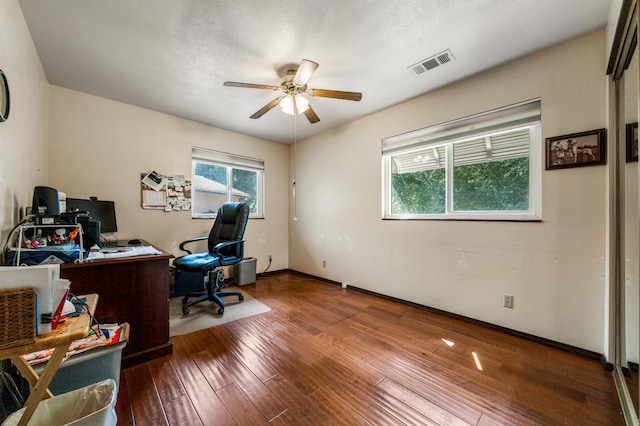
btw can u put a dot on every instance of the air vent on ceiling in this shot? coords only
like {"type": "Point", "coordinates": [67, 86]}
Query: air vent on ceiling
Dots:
{"type": "Point", "coordinates": [432, 62]}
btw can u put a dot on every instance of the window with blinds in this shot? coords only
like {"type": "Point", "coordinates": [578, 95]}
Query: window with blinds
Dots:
{"type": "Point", "coordinates": [220, 177]}
{"type": "Point", "coordinates": [484, 167]}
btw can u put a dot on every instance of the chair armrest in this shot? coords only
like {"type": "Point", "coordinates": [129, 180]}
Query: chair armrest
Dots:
{"type": "Point", "coordinates": [219, 246]}
{"type": "Point", "coordinates": [191, 240]}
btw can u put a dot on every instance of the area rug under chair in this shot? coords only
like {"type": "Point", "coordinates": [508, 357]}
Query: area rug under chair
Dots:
{"type": "Point", "coordinates": [203, 315]}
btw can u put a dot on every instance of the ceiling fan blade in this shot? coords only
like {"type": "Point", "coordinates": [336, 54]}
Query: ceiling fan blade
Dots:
{"type": "Point", "coordinates": [337, 94]}
{"type": "Point", "coordinates": [311, 115]}
{"type": "Point", "coordinates": [250, 85]}
{"type": "Point", "coordinates": [262, 111]}
{"type": "Point", "coordinates": [305, 70]}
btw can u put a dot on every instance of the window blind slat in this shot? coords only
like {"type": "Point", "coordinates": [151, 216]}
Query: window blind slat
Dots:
{"type": "Point", "coordinates": [504, 146]}
{"type": "Point", "coordinates": [431, 158]}
{"type": "Point", "coordinates": [513, 116]}
{"type": "Point", "coordinates": [222, 158]}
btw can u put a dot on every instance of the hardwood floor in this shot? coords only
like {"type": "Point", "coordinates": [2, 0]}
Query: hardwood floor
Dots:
{"type": "Point", "coordinates": [328, 356]}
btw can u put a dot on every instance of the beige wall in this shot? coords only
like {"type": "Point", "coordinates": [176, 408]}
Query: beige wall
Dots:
{"type": "Point", "coordinates": [23, 137]}
{"type": "Point", "coordinates": [99, 148]}
{"type": "Point", "coordinates": [555, 269]}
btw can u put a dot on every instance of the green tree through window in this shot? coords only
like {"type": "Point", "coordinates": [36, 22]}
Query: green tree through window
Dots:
{"type": "Point", "coordinates": [499, 185]}
{"type": "Point", "coordinates": [422, 192]}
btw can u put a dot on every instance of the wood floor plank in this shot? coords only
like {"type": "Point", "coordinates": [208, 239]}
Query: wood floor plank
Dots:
{"type": "Point", "coordinates": [362, 404]}
{"type": "Point", "coordinates": [297, 403]}
{"type": "Point", "coordinates": [183, 362]}
{"type": "Point", "coordinates": [287, 367]}
{"type": "Point", "coordinates": [333, 356]}
{"type": "Point", "coordinates": [240, 407]}
{"type": "Point", "coordinates": [319, 366]}
{"type": "Point", "coordinates": [245, 349]}
{"type": "Point", "coordinates": [340, 413]}
{"type": "Point", "coordinates": [123, 405]}
{"type": "Point", "coordinates": [269, 405]}
{"type": "Point", "coordinates": [147, 408]}
{"type": "Point", "coordinates": [288, 418]}
{"type": "Point", "coordinates": [324, 360]}
{"type": "Point", "coordinates": [422, 405]}
{"type": "Point", "coordinates": [205, 401]}
{"type": "Point", "coordinates": [213, 371]}
{"type": "Point", "coordinates": [382, 402]}
{"type": "Point", "coordinates": [180, 411]}
{"type": "Point", "coordinates": [168, 384]}
{"type": "Point", "coordinates": [139, 378]}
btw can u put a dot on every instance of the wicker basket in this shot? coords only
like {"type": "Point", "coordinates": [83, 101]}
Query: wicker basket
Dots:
{"type": "Point", "coordinates": [17, 316]}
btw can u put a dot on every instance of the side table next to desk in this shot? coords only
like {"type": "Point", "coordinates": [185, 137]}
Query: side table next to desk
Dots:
{"type": "Point", "coordinates": [134, 290]}
{"type": "Point", "coordinates": [60, 340]}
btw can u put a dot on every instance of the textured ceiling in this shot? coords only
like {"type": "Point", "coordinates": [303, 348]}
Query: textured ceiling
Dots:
{"type": "Point", "coordinates": [174, 56]}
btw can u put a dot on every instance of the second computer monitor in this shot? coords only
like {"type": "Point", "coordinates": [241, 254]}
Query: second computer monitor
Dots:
{"type": "Point", "coordinates": [100, 210]}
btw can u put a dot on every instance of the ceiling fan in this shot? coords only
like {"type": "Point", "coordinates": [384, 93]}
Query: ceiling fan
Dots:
{"type": "Point", "coordinates": [293, 85]}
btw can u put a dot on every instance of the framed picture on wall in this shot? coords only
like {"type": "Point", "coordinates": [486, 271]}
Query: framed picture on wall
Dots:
{"type": "Point", "coordinates": [577, 149]}
{"type": "Point", "coordinates": [632, 142]}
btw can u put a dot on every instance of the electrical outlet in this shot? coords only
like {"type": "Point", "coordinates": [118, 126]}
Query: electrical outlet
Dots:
{"type": "Point", "coordinates": [324, 263]}
{"type": "Point", "coordinates": [344, 285]}
{"type": "Point", "coordinates": [269, 258]}
{"type": "Point", "coordinates": [507, 301]}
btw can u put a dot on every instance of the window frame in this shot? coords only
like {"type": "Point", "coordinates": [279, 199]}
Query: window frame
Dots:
{"type": "Point", "coordinates": [495, 122]}
{"type": "Point", "coordinates": [229, 162]}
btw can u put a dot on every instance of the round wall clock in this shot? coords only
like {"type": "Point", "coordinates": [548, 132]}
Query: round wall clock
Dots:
{"type": "Point", "coordinates": [4, 97]}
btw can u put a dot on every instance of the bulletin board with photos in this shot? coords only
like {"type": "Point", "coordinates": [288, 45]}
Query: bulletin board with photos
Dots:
{"type": "Point", "coordinates": [168, 193]}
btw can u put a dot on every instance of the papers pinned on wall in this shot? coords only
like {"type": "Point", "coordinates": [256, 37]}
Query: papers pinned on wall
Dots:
{"type": "Point", "coordinates": [154, 181]}
{"type": "Point", "coordinates": [168, 193]}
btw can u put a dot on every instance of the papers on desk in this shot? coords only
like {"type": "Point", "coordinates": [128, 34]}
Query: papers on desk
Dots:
{"type": "Point", "coordinates": [119, 252]}
{"type": "Point", "coordinates": [50, 288]}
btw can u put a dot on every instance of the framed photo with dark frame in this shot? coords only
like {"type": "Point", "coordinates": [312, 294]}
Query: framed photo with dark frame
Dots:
{"type": "Point", "coordinates": [632, 142]}
{"type": "Point", "coordinates": [577, 149]}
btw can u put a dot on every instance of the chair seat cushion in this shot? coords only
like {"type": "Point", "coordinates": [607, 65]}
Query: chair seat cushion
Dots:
{"type": "Point", "coordinates": [197, 262]}
{"type": "Point", "coordinates": [202, 262]}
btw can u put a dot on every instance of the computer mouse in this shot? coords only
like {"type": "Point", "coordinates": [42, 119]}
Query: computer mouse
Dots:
{"type": "Point", "coordinates": [133, 242]}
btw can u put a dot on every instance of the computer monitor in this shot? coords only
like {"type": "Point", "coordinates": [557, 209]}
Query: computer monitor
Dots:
{"type": "Point", "coordinates": [103, 211]}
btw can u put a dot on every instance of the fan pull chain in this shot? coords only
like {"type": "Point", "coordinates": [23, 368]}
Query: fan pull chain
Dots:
{"type": "Point", "coordinates": [295, 156]}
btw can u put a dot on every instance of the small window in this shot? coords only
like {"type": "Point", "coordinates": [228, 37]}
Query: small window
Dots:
{"type": "Point", "coordinates": [220, 177]}
{"type": "Point", "coordinates": [485, 167]}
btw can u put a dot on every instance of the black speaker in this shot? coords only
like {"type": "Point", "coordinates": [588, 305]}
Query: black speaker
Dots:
{"type": "Point", "coordinates": [45, 201]}
{"type": "Point", "coordinates": [90, 232]}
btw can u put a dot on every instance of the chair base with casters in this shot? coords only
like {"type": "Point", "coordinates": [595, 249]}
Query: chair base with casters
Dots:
{"type": "Point", "coordinates": [213, 293]}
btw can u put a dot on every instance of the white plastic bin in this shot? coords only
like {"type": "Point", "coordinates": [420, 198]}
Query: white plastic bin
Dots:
{"type": "Point", "coordinates": [91, 405]}
{"type": "Point", "coordinates": [86, 368]}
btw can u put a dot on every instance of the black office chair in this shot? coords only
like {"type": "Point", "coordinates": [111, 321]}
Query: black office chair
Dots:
{"type": "Point", "coordinates": [226, 247]}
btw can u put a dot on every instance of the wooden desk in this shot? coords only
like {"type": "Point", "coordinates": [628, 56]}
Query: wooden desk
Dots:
{"type": "Point", "coordinates": [60, 339]}
{"type": "Point", "coordinates": [134, 290]}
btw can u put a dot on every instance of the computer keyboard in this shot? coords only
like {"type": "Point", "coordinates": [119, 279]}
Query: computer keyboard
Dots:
{"type": "Point", "coordinates": [109, 243]}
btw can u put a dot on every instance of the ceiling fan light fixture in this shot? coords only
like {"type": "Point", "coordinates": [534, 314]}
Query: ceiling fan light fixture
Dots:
{"type": "Point", "coordinates": [302, 104]}
{"type": "Point", "coordinates": [287, 104]}
{"type": "Point", "coordinates": [292, 86]}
